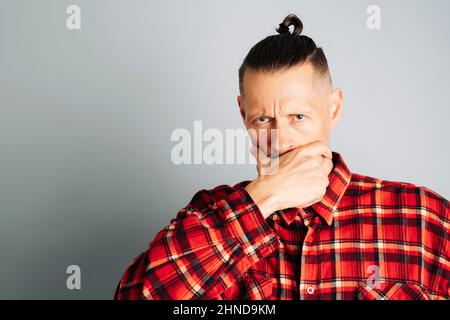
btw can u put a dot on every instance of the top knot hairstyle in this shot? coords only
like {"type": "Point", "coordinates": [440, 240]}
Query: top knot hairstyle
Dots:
{"type": "Point", "coordinates": [284, 50]}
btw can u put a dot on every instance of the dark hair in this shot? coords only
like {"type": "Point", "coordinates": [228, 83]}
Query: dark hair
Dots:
{"type": "Point", "coordinates": [284, 50]}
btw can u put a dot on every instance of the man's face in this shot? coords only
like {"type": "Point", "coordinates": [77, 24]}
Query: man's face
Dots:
{"type": "Point", "coordinates": [297, 101]}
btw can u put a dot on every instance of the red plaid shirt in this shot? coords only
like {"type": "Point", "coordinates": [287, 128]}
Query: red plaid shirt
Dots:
{"type": "Point", "coordinates": [366, 239]}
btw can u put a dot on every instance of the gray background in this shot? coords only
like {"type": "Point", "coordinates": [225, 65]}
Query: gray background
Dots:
{"type": "Point", "coordinates": [86, 117]}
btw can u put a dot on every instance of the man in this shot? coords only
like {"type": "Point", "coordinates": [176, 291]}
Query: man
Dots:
{"type": "Point", "coordinates": [310, 230]}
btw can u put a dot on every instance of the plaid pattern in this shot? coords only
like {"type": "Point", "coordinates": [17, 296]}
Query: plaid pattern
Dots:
{"type": "Point", "coordinates": [220, 247]}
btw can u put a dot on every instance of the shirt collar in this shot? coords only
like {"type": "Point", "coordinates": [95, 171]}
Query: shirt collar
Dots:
{"type": "Point", "coordinates": [339, 178]}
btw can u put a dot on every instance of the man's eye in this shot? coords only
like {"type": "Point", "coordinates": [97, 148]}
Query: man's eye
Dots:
{"type": "Point", "coordinates": [262, 120]}
{"type": "Point", "coordinates": [299, 117]}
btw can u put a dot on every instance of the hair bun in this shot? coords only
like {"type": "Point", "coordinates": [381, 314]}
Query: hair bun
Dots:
{"type": "Point", "coordinates": [291, 20]}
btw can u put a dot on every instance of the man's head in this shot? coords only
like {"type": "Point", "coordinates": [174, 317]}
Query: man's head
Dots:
{"type": "Point", "coordinates": [285, 84]}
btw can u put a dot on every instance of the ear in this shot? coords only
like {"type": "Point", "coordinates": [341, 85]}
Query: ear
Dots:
{"type": "Point", "coordinates": [241, 107]}
{"type": "Point", "coordinates": [337, 101]}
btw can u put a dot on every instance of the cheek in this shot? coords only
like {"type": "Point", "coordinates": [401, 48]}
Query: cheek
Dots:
{"type": "Point", "coordinates": [311, 130]}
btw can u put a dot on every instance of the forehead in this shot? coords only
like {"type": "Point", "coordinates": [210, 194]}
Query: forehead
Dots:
{"type": "Point", "coordinates": [299, 83]}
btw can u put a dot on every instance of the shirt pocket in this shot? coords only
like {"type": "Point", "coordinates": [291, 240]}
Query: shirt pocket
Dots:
{"type": "Point", "coordinates": [392, 291]}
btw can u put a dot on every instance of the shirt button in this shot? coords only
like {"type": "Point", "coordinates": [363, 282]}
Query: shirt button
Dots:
{"type": "Point", "coordinates": [310, 290]}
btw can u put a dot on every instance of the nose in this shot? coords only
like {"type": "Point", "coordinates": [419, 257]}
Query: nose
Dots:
{"type": "Point", "coordinates": [286, 138]}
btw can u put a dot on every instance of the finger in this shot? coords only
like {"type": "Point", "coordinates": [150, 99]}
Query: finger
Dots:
{"type": "Point", "coordinates": [316, 148]}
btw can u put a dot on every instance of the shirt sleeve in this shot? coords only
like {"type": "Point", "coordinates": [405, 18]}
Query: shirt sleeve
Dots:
{"type": "Point", "coordinates": [208, 246]}
{"type": "Point", "coordinates": [436, 242]}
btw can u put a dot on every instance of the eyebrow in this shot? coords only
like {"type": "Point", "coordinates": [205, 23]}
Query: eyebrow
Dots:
{"type": "Point", "coordinates": [291, 110]}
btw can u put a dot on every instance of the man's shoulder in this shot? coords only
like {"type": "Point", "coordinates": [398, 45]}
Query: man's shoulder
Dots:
{"type": "Point", "coordinates": [401, 193]}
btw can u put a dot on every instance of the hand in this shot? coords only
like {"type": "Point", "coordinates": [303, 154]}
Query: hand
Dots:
{"type": "Point", "coordinates": [301, 179]}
